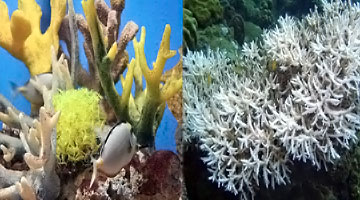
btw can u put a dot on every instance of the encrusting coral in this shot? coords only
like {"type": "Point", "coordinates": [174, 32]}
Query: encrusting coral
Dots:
{"type": "Point", "coordinates": [254, 122]}
{"type": "Point", "coordinates": [21, 35]}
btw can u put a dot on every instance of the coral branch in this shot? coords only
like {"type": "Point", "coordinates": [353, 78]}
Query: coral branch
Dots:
{"type": "Point", "coordinates": [9, 153]}
{"type": "Point", "coordinates": [74, 63]}
{"type": "Point", "coordinates": [9, 177]}
{"type": "Point", "coordinates": [127, 34]}
{"type": "Point", "coordinates": [25, 190]}
{"type": "Point", "coordinates": [11, 118]}
{"type": "Point", "coordinates": [12, 142]}
{"type": "Point", "coordinates": [9, 193]}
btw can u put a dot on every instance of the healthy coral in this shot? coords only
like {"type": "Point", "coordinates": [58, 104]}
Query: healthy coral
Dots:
{"type": "Point", "coordinates": [21, 35]}
{"type": "Point", "coordinates": [254, 123]}
{"type": "Point", "coordinates": [143, 110]}
{"type": "Point", "coordinates": [81, 115]}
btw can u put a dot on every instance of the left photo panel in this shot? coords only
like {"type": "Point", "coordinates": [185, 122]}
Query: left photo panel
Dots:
{"type": "Point", "coordinates": [90, 99]}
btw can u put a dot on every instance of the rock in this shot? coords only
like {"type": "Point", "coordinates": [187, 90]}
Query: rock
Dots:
{"type": "Point", "coordinates": [162, 175]}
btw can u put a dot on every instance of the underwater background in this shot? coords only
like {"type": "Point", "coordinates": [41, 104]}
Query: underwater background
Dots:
{"type": "Point", "coordinates": [151, 14]}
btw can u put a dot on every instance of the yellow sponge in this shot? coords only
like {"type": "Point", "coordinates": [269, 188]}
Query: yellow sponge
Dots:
{"type": "Point", "coordinates": [80, 115]}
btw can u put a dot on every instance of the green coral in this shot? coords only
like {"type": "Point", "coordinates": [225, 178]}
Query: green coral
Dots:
{"type": "Point", "coordinates": [189, 30]}
{"type": "Point", "coordinates": [206, 12]}
{"type": "Point", "coordinates": [80, 115]}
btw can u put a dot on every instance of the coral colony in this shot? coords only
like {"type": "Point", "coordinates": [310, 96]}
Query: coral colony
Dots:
{"type": "Point", "coordinates": [296, 98]}
{"type": "Point", "coordinates": [40, 144]}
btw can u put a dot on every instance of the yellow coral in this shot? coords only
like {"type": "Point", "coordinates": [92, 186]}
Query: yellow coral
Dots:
{"type": "Point", "coordinates": [21, 36]}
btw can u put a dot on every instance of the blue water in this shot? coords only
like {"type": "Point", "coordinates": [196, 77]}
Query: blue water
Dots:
{"type": "Point", "coordinates": [154, 15]}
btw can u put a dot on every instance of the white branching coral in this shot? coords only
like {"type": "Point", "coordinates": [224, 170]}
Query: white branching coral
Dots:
{"type": "Point", "coordinates": [296, 98]}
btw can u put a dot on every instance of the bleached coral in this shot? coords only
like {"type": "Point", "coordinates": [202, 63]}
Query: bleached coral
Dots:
{"type": "Point", "coordinates": [254, 122]}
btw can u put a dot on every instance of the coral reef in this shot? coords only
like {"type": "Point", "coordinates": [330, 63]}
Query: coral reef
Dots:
{"type": "Point", "coordinates": [150, 102]}
{"type": "Point", "coordinates": [21, 36]}
{"type": "Point", "coordinates": [337, 183]}
{"type": "Point", "coordinates": [82, 115]}
{"type": "Point", "coordinates": [255, 123]}
{"type": "Point", "coordinates": [175, 102]}
{"type": "Point", "coordinates": [252, 31]}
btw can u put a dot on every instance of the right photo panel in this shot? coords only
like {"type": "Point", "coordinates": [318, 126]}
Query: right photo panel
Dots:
{"type": "Point", "coordinates": [271, 99]}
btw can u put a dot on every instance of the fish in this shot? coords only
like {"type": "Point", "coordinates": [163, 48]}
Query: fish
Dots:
{"type": "Point", "coordinates": [117, 151]}
{"type": "Point", "coordinates": [30, 92]}
{"type": "Point", "coordinates": [272, 65]}
{"type": "Point", "coordinates": [208, 78]}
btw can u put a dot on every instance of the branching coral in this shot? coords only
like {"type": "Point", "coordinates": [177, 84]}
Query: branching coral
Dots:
{"type": "Point", "coordinates": [38, 139]}
{"type": "Point", "coordinates": [41, 180]}
{"type": "Point", "coordinates": [155, 94]}
{"type": "Point", "coordinates": [21, 36]}
{"type": "Point", "coordinates": [253, 123]}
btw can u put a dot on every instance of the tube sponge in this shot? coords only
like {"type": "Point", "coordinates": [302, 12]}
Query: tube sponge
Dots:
{"type": "Point", "coordinates": [80, 115]}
